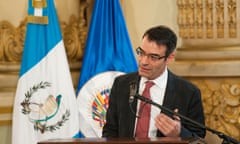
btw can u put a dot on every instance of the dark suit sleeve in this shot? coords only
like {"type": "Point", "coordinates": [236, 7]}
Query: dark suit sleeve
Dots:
{"type": "Point", "coordinates": [186, 97]}
{"type": "Point", "coordinates": [110, 129]}
{"type": "Point", "coordinates": [195, 112]}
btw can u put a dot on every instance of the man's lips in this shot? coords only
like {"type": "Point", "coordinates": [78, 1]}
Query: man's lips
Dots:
{"type": "Point", "coordinates": [143, 69]}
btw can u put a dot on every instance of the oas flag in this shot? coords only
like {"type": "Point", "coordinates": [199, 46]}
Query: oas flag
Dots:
{"type": "Point", "coordinates": [45, 103]}
{"type": "Point", "coordinates": [108, 53]}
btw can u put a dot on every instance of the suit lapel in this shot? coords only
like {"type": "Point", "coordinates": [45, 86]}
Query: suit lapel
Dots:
{"type": "Point", "coordinates": [168, 97]}
{"type": "Point", "coordinates": [132, 116]}
{"type": "Point", "coordinates": [170, 93]}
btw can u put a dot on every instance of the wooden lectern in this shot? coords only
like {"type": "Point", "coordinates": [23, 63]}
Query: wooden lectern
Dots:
{"type": "Point", "coordinates": [162, 140]}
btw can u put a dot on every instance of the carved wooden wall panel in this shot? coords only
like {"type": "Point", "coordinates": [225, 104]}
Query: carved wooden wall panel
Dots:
{"type": "Point", "coordinates": [221, 99]}
{"type": "Point", "coordinates": [202, 21]}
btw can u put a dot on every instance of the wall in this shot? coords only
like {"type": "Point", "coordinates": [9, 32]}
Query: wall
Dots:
{"type": "Point", "coordinates": [142, 14]}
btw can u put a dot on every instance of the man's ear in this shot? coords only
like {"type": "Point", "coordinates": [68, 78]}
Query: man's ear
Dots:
{"type": "Point", "coordinates": [170, 57]}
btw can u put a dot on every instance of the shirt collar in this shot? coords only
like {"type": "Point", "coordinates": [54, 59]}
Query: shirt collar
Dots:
{"type": "Point", "coordinates": [160, 81]}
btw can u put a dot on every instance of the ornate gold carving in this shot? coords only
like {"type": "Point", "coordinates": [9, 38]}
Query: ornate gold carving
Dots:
{"type": "Point", "coordinates": [11, 41]}
{"type": "Point", "coordinates": [75, 33]}
{"type": "Point", "coordinates": [221, 100]}
{"type": "Point", "coordinates": [74, 36]}
{"type": "Point", "coordinates": [209, 18]}
{"type": "Point", "coordinates": [191, 18]}
{"type": "Point", "coordinates": [220, 18]}
{"type": "Point", "coordinates": [216, 23]}
{"type": "Point", "coordinates": [181, 17]}
{"type": "Point", "coordinates": [199, 20]}
{"type": "Point", "coordinates": [232, 18]}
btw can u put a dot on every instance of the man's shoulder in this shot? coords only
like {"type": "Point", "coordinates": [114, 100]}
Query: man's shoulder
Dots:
{"type": "Point", "coordinates": [128, 77]}
{"type": "Point", "coordinates": [182, 81]}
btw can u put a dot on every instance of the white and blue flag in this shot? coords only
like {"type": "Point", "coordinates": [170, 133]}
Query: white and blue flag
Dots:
{"type": "Point", "coordinates": [108, 54]}
{"type": "Point", "coordinates": [45, 103]}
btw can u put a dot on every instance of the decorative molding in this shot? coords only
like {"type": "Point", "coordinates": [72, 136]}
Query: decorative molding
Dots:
{"type": "Point", "coordinates": [211, 23]}
{"type": "Point", "coordinates": [208, 68]}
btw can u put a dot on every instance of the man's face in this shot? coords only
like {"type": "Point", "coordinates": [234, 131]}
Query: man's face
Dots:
{"type": "Point", "coordinates": [151, 59]}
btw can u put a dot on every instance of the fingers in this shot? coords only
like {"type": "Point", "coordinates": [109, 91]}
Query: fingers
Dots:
{"type": "Point", "coordinates": [168, 126]}
{"type": "Point", "coordinates": [175, 116]}
{"type": "Point", "coordinates": [162, 123]}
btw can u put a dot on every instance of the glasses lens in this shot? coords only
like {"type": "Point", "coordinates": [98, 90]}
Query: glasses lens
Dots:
{"type": "Point", "coordinates": [138, 51]}
{"type": "Point", "coordinates": [153, 57]}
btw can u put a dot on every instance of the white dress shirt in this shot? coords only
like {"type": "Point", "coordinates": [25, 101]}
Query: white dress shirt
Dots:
{"type": "Point", "coordinates": [157, 92]}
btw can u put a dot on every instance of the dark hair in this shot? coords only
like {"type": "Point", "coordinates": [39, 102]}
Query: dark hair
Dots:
{"type": "Point", "coordinates": [162, 35]}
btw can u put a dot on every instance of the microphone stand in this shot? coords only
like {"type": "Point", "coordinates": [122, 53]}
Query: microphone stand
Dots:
{"type": "Point", "coordinates": [226, 139]}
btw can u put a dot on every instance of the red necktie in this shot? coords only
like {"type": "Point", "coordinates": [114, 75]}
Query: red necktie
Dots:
{"type": "Point", "coordinates": [144, 114]}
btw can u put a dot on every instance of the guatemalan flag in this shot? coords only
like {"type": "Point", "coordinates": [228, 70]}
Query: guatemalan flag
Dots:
{"type": "Point", "coordinates": [108, 53]}
{"type": "Point", "coordinates": [45, 103]}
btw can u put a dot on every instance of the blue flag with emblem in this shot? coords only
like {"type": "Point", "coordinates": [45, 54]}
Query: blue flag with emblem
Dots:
{"type": "Point", "coordinates": [108, 53]}
{"type": "Point", "coordinates": [45, 102]}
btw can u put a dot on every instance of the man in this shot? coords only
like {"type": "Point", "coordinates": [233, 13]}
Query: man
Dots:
{"type": "Point", "coordinates": [137, 119]}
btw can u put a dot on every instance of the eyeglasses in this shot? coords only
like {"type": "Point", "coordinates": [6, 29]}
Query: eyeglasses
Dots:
{"type": "Point", "coordinates": [152, 57]}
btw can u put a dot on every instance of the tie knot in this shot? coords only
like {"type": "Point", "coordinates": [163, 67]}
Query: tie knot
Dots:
{"type": "Point", "coordinates": [149, 84]}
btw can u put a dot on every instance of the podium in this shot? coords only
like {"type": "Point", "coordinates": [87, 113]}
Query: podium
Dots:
{"type": "Point", "coordinates": [162, 140]}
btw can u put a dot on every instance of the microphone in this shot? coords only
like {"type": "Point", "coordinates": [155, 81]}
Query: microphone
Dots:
{"type": "Point", "coordinates": [133, 86]}
{"type": "Point", "coordinates": [226, 139]}
{"type": "Point", "coordinates": [133, 92]}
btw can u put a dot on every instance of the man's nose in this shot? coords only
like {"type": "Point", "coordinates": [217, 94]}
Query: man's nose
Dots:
{"type": "Point", "coordinates": [145, 59]}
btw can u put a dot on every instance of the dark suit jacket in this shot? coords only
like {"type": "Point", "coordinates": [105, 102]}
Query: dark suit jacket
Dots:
{"type": "Point", "coordinates": [120, 120]}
